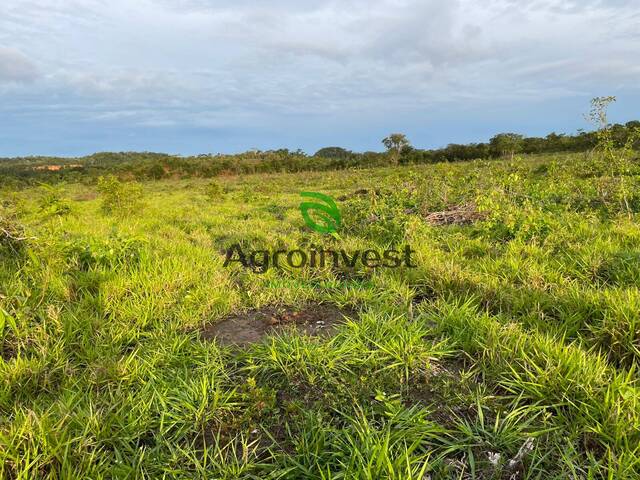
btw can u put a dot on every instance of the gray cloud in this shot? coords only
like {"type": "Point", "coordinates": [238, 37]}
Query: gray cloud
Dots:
{"type": "Point", "coordinates": [227, 63]}
{"type": "Point", "coordinates": [15, 66]}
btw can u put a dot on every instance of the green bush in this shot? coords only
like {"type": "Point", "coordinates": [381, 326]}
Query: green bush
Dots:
{"type": "Point", "coordinates": [213, 190]}
{"type": "Point", "coordinates": [119, 197]}
{"type": "Point", "coordinates": [379, 216]}
{"type": "Point", "coordinates": [115, 251]}
{"type": "Point", "coordinates": [52, 203]}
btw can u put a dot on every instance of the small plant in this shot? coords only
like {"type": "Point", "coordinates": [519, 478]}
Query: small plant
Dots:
{"type": "Point", "coordinates": [214, 190]}
{"type": "Point", "coordinates": [113, 252]}
{"type": "Point", "coordinates": [52, 203]}
{"type": "Point", "coordinates": [119, 198]}
{"type": "Point", "coordinates": [7, 324]}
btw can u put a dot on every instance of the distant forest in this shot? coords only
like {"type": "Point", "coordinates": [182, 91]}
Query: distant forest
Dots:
{"type": "Point", "coordinates": [154, 166]}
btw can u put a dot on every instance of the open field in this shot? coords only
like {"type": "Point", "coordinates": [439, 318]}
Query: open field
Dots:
{"type": "Point", "coordinates": [510, 351]}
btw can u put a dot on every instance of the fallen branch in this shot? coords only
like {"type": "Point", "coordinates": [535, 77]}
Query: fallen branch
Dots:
{"type": "Point", "coordinates": [11, 236]}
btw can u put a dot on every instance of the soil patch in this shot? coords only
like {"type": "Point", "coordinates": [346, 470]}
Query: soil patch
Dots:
{"type": "Point", "coordinates": [458, 215]}
{"type": "Point", "coordinates": [55, 168]}
{"type": "Point", "coordinates": [7, 352]}
{"type": "Point", "coordinates": [252, 326]}
{"type": "Point", "coordinates": [359, 193]}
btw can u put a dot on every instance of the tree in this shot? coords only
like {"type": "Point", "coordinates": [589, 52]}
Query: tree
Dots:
{"type": "Point", "coordinates": [506, 144]}
{"type": "Point", "coordinates": [619, 158]}
{"type": "Point", "coordinates": [156, 171]}
{"type": "Point", "coordinates": [604, 133]}
{"type": "Point", "coordinates": [395, 144]}
{"type": "Point", "coordinates": [333, 152]}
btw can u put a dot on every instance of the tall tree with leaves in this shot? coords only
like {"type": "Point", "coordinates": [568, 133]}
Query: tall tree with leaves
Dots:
{"type": "Point", "coordinates": [505, 144]}
{"type": "Point", "coordinates": [395, 144]}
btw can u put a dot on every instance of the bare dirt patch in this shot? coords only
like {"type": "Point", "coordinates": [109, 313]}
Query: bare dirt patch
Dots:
{"type": "Point", "coordinates": [55, 168]}
{"type": "Point", "coordinates": [7, 352]}
{"type": "Point", "coordinates": [363, 192]}
{"type": "Point", "coordinates": [252, 326]}
{"type": "Point", "coordinates": [457, 215]}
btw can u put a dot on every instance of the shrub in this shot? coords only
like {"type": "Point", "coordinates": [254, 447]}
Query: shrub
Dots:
{"type": "Point", "coordinates": [379, 216]}
{"type": "Point", "coordinates": [213, 190]}
{"type": "Point", "coordinates": [52, 203]}
{"type": "Point", "coordinates": [114, 252]}
{"type": "Point", "coordinates": [119, 197]}
{"type": "Point", "coordinates": [156, 172]}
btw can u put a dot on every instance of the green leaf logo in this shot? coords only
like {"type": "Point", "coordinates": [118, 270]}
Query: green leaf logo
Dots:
{"type": "Point", "coordinates": [326, 212]}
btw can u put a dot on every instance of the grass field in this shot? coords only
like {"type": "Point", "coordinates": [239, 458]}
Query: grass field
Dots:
{"type": "Point", "coordinates": [509, 352]}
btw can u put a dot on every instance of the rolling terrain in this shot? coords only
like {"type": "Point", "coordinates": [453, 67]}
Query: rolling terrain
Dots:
{"type": "Point", "coordinates": [508, 348]}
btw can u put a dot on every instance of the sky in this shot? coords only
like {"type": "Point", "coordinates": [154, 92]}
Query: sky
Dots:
{"type": "Point", "coordinates": [206, 76]}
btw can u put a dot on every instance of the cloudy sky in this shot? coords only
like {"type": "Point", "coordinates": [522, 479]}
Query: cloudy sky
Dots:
{"type": "Point", "coordinates": [195, 76]}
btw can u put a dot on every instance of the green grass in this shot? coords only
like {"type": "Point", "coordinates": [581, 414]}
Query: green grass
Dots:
{"type": "Point", "coordinates": [511, 351]}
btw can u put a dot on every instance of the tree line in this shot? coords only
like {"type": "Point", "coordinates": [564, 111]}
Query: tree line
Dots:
{"type": "Point", "coordinates": [150, 166]}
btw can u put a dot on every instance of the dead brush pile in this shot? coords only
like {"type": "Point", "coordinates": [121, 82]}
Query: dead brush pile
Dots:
{"type": "Point", "coordinates": [12, 233]}
{"type": "Point", "coordinates": [457, 215]}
